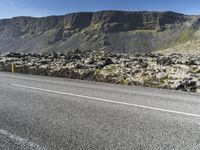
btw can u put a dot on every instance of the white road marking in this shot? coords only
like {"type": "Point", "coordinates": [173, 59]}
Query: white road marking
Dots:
{"type": "Point", "coordinates": [178, 96]}
{"type": "Point", "coordinates": [109, 101]}
{"type": "Point", "coordinates": [20, 141]}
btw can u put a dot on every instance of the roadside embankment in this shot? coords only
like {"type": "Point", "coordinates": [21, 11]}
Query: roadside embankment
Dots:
{"type": "Point", "coordinates": [174, 71]}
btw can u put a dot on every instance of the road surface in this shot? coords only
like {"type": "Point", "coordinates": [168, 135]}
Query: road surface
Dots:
{"type": "Point", "coordinates": [46, 113]}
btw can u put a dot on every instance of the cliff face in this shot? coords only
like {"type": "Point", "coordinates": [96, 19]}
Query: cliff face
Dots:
{"type": "Point", "coordinates": [125, 21]}
{"type": "Point", "coordinates": [112, 30]}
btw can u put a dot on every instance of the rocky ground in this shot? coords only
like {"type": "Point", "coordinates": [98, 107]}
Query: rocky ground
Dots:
{"type": "Point", "coordinates": [173, 71]}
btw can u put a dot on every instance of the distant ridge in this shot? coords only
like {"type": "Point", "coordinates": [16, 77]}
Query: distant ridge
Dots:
{"type": "Point", "coordinates": [117, 31]}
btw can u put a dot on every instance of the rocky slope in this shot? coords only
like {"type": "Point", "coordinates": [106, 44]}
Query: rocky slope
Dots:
{"type": "Point", "coordinates": [174, 71]}
{"type": "Point", "coordinates": [115, 31]}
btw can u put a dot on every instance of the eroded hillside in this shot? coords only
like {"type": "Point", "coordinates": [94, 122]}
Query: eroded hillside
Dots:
{"type": "Point", "coordinates": [116, 31]}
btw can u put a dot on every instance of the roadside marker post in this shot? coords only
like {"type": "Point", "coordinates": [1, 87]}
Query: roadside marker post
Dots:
{"type": "Point", "coordinates": [13, 68]}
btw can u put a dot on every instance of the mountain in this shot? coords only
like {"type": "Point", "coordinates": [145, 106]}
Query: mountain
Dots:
{"type": "Point", "coordinates": [116, 31]}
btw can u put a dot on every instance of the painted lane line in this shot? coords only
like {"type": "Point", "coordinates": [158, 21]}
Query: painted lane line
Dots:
{"type": "Point", "coordinates": [109, 101]}
{"type": "Point", "coordinates": [178, 97]}
{"type": "Point", "coordinates": [20, 141]}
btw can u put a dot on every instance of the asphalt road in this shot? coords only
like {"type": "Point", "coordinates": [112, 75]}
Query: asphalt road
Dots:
{"type": "Point", "coordinates": [45, 113]}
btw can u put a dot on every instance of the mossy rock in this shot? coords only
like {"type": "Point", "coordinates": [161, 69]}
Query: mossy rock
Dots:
{"type": "Point", "coordinates": [195, 71]}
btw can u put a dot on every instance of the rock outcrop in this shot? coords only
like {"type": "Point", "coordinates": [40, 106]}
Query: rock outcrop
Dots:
{"type": "Point", "coordinates": [175, 71]}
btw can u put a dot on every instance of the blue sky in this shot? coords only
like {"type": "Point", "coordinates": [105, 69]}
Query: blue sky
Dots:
{"type": "Point", "coordinates": [38, 8]}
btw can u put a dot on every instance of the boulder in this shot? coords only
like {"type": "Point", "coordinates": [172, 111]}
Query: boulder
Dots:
{"type": "Point", "coordinates": [164, 61]}
{"type": "Point", "coordinates": [108, 61]}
